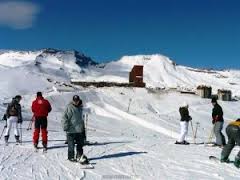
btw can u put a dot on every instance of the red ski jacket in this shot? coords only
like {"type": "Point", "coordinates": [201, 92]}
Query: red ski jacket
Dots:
{"type": "Point", "coordinates": [41, 107]}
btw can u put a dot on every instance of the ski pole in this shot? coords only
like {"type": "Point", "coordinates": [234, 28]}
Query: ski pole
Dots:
{"type": "Point", "coordinates": [21, 132]}
{"type": "Point", "coordinates": [86, 127]}
{"type": "Point", "coordinates": [130, 100]}
{"type": "Point", "coordinates": [2, 132]}
{"type": "Point", "coordinates": [30, 123]}
{"type": "Point", "coordinates": [211, 135]}
{"type": "Point", "coordinates": [193, 133]}
{"type": "Point", "coordinates": [197, 126]}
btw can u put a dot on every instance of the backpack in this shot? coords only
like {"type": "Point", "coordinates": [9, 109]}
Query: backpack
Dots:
{"type": "Point", "coordinates": [13, 110]}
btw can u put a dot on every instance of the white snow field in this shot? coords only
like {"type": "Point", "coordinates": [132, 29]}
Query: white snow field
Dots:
{"type": "Point", "coordinates": [134, 128]}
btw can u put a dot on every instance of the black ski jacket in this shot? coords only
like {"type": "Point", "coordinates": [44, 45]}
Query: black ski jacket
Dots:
{"type": "Point", "coordinates": [217, 113]}
{"type": "Point", "coordinates": [184, 114]}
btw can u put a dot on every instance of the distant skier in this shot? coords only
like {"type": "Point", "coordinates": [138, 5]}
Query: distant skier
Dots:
{"type": "Point", "coordinates": [73, 124]}
{"type": "Point", "coordinates": [233, 133]}
{"type": "Point", "coordinates": [217, 121]}
{"type": "Point", "coordinates": [40, 108]}
{"type": "Point", "coordinates": [14, 116]}
{"type": "Point", "coordinates": [184, 121]}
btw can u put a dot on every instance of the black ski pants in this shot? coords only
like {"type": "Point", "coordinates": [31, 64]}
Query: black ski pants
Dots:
{"type": "Point", "coordinates": [72, 139]}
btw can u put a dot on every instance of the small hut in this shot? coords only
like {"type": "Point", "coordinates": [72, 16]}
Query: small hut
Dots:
{"type": "Point", "coordinates": [204, 91]}
{"type": "Point", "coordinates": [136, 76]}
{"type": "Point", "coordinates": [224, 95]}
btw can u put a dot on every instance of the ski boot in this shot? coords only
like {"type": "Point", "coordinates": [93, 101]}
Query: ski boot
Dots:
{"type": "Point", "coordinates": [185, 142]}
{"type": "Point", "coordinates": [44, 147]}
{"type": "Point", "coordinates": [17, 139]}
{"type": "Point", "coordinates": [72, 159]}
{"type": "Point", "coordinates": [83, 159]}
{"type": "Point", "coordinates": [224, 160]}
{"type": "Point", "coordinates": [6, 140]}
{"type": "Point", "coordinates": [35, 145]}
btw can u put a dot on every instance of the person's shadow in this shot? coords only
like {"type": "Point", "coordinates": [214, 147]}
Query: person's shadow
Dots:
{"type": "Point", "coordinates": [57, 147]}
{"type": "Point", "coordinates": [117, 155]}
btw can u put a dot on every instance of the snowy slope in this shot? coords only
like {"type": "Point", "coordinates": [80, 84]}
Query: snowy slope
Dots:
{"type": "Point", "coordinates": [17, 58]}
{"type": "Point", "coordinates": [135, 128]}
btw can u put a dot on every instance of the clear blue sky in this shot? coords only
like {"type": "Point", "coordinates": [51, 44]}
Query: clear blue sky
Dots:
{"type": "Point", "coordinates": [198, 33]}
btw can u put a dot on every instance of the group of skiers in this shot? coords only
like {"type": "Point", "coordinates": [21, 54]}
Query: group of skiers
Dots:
{"type": "Point", "coordinates": [72, 123]}
{"type": "Point", "coordinates": [232, 131]}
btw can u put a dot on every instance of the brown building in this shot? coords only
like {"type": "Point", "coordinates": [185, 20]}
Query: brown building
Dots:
{"type": "Point", "coordinates": [136, 76]}
{"type": "Point", "coordinates": [204, 91]}
{"type": "Point", "coordinates": [224, 95]}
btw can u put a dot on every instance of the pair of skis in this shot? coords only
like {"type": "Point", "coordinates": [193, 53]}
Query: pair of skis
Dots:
{"type": "Point", "coordinates": [84, 166]}
{"type": "Point", "coordinates": [16, 143]}
{"type": "Point", "coordinates": [217, 160]}
{"type": "Point", "coordinates": [36, 149]}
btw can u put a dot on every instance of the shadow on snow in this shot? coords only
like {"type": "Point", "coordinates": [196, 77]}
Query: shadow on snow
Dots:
{"type": "Point", "coordinates": [118, 155]}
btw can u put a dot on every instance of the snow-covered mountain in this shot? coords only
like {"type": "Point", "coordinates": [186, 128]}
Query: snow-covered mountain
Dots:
{"type": "Point", "coordinates": [135, 128]}
{"type": "Point", "coordinates": [159, 71]}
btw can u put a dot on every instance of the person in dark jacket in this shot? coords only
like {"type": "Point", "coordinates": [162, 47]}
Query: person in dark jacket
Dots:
{"type": "Point", "coordinates": [184, 121]}
{"type": "Point", "coordinates": [40, 108]}
{"type": "Point", "coordinates": [233, 133]}
{"type": "Point", "coordinates": [73, 124]}
{"type": "Point", "coordinates": [14, 116]}
{"type": "Point", "coordinates": [217, 121]}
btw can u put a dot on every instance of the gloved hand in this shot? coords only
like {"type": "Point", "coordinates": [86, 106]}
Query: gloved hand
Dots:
{"type": "Point", "coordinates": [213, 121]}
{"type": "Point", "coordinates": [5, 126]}
{"type": "Point", "coordinates": [4, 117]}
{"type": "Point", "coordinates": [20, 121]}
{"type": "Point", "coordinates": [190, 118]}
{"type": "Point", "coordinates": [237, 161]}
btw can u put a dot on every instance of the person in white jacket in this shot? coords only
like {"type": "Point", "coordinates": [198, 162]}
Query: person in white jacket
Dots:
{"type": "Point", "coordinates": [184, 121]}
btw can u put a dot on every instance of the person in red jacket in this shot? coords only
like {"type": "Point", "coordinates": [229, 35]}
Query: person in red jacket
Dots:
{"type": "Point", "coordinates": [40, 108]}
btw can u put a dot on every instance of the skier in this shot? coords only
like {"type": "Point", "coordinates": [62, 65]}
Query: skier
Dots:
{"type": "Point", "coordinates": [233, 133]}
{"type": "Point", "coordinates": [217, 121]}
{"type": "Point", "coordinates": [14, 116]}
{"type": "Point", "coordinates": [73, 124]}
{"type": "Point", "coordinates": [184, 121]}
{"type": "Point", "coordinates": [40, 108]}
{"type": "Point", "coordinates": [83, 133]}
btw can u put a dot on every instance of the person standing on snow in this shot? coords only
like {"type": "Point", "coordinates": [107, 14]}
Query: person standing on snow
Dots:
{"type": "Point", "coordinates": [84, 131]}
{"type": "Point", "coordinates": [14, 116]}
{"type": "Point", "coordinates": [217, 121]}
{"type": "Point", "coordinates": [184, 121]}
{"type": "Point", "coordinates": [233, 133]}
{"type": "Point", "coordinates": [73, 124]}
{"type": "Point", "coordinates": [40, 108]}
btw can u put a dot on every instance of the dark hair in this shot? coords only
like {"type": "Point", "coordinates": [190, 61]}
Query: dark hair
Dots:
{"type": "Point", "coordinates": [18, 97]}
{"type": "Point", "coordinates": [214, 100]}
{"type": "Point", "coordinates": [39, 94]}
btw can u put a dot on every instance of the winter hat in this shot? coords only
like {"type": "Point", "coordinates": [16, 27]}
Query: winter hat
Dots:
{"type": "Point", "coordinates": [39, 94]}
{"type": "Point", "coordinates": [185, 104]}
{"type": "Point", "coordinates": [214, 100]}
{"type": "Point", "coordinates": [76, 98]}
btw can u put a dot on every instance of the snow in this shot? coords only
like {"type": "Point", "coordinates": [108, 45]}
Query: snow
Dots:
{"type": "Point", "coordinates": [17, 58]}
{"type": "Point", "coordinates": [135, 128]}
